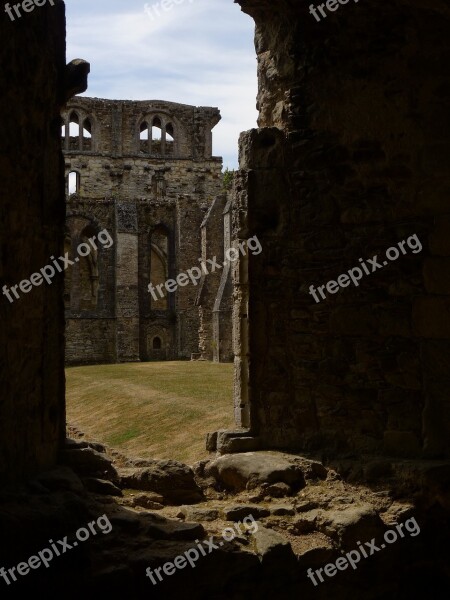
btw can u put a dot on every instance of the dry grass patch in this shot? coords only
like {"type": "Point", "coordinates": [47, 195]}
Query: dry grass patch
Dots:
{"type": "Point", "coordinates": [152, 410]}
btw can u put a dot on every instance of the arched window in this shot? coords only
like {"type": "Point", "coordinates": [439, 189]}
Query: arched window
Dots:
{"type": "Point", "coordinates": [157, 136]}
{"type": "Point", "coordinates": [159, 267]}
{"type": "Point", "coordinates": [80, 133]}
{"type": "Point", "coordinates": [87, 135]}
{"type": "Point", "coordinates": [73, 182]}
{"type": "Point", "coordinates": [88, 271]}
{"type": "Point", "coordinates": [158, 277]}
{"type": "Point", "coordinates": [74, 131]}
{"type": "Point", "coordinates": [144, 138]}
{"type": "Point", "coordinates": [144, 132]}
{"type": "Point", "coordinates": [156, 128]}
{"type": "Point", "coordinates": [157, 344]}
{"type": "Point", "coordinates": [81, 279]}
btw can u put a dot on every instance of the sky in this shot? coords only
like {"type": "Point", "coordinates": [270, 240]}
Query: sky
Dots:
{"type": "Point", "coordinates": [199, 52]}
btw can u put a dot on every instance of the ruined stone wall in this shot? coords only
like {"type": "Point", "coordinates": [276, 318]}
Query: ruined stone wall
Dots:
{"type": "Point", "coordinates": [89, 302]}
{"type": "Point", "coordinates": [214, 297]}
{"type": "Point", "coordinates": [351, 158]}
{"type": "Point", "coordinates": [189, 219]}
{"type": "Point", "coordinates": [223, 304]}
{"type": "Point", "coordinates": [151, 195]}
{"type": "Point", "coordinates": [32, 416]}
{"type": "Point", "coordinates": [94, 338]}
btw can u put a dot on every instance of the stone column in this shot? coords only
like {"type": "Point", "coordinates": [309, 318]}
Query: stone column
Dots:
{"type": "Point", "coordinates": [127, 294]}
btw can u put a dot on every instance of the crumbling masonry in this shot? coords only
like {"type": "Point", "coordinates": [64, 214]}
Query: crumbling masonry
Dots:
{"type": "Point", "coordinates": [351, 155]}
{"type": "Point", "coordinates": [145, 172]}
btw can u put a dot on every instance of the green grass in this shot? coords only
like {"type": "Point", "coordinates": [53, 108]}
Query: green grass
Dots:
{"type": "Point", "coordinates": [117, 439]}
{"type": "Point", "coordinates": [152, 410]}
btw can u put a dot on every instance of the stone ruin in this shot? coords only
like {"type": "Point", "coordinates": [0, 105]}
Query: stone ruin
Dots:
{"type": "Point", "coordinates": [351, 155]}
{"type": "Point", "coordinates": [145, 172]}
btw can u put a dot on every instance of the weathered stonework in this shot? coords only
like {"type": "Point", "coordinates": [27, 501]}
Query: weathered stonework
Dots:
{"type": "Point", "coordinates": [351, 157]}
{"type": "Point", "coordinates": [365, 370]}
{"type": "Point", "coordinates": [152, 196]}
{"type": "Point", "coordinates": [32, 415]}
{"type": "Point", "coordinates": [215, 294]}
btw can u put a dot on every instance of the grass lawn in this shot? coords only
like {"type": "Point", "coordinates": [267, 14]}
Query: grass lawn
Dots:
{"type": "Point", "coordinates": [151, 410]}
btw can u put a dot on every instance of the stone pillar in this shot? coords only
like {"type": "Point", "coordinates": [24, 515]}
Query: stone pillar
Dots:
{"type": "Point", "coordinates": [223, 304]}
{"type": "Point", "coordinates": [127, 294]}
{"type": "Point", "coordinates": [188, 252]}
{"type": "Point", "coordinates": [32, 212]}
{"type": "Point", "coordinates": [212, 247]}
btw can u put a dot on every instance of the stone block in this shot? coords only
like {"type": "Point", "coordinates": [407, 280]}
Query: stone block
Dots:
{"type": "Point", "coordinates": [229, 442]}
{"type": "Point", "coordinates": [211, 441]}
{"type": "Point", "coordinates": [272, 546]}
{"type": "Point", "coordinates": [237, 513]}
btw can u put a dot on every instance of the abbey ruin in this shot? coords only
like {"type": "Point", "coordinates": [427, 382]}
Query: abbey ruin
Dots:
{"type": "Point", "coordinates": [342, 408]}
{"type": "Point", "coordinates": [145, 172]}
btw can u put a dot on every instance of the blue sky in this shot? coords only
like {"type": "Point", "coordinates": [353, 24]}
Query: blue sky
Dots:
{"type": "Point", "coordinates": [200, 52]}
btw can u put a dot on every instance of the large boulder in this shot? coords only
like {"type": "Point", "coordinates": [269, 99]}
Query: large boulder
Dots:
{"type": "Point", "coordinates": [252, 469]}
{"type": "Point", "coordinates": [173, 480]}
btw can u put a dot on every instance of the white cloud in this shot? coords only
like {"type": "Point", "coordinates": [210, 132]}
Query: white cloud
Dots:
{"type": "Point", "coordinates": [199, 53]}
